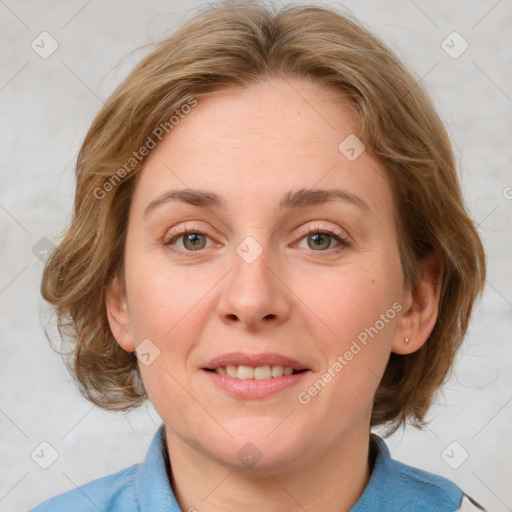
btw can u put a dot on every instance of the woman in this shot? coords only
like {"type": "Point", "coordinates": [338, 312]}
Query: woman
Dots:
{"type": "Point", "coordinates": [269, 242]}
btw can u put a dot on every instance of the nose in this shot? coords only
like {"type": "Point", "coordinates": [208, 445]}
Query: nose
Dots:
{"type": "Point", "coordinates": [254, 294]}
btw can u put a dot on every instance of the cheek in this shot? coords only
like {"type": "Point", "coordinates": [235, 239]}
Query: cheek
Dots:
{"type": "Point", "coordinates": [354, 329]}
{"type": "Point", "coordinates": [163, 300]}
{"type": "Point", "coordinates": [350, 300]}
{"type": "Point", "coordinates": [169, 310]}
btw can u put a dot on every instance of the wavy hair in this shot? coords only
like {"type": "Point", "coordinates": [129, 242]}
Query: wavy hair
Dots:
{"type": "Point", "coordinates": [237, 44]}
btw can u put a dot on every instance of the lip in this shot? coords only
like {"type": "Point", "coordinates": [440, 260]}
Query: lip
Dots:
{"type": "Point", "coordinates": [254, 388]}
{"type": "Point", "coordinates": [240, 358]}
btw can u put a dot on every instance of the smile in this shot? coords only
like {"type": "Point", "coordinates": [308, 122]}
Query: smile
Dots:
{"type": "Point", "coordinates": [254, 383]}
{"type": "Point", "coordinates": [254, 372]}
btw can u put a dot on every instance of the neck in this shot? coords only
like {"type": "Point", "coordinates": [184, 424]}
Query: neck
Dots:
{"type": "Point", "coordinates": [331, 481]}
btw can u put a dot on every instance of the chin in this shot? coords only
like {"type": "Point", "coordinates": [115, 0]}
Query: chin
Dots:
{"type": "Point", "coordinates": [257, 451]}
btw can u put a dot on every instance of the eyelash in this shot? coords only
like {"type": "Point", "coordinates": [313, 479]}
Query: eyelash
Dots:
{"type": "Point", "coordinates": [344, 243]}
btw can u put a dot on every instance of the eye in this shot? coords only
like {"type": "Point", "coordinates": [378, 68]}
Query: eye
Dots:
{"type": "Point", "coordinates": [319, 240]}
{"type": "Point", "coordinates": [193, 240]}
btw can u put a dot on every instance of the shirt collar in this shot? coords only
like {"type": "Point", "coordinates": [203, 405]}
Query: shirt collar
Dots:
{"type": "Point", "coordinates": [395, 486]}
{"type": "Point", "coordinates": [153, 488]}
{"type": "Point", "coordinates": [154, 491]}
{"type": "Point", "coordinates": [373, 495]}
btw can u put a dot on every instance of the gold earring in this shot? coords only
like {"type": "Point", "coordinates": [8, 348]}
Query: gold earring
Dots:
{"type": "Point", "coordinates": [407, 339]}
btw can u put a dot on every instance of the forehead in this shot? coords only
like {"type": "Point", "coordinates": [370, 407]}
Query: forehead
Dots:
{"type": "Point", "coordinates": [264, 140]}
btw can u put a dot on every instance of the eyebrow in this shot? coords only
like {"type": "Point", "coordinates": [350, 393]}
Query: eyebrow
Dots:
{"type": "Point", "coordinates": [290, 200]}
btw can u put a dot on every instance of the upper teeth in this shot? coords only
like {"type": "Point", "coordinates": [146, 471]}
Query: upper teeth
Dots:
{"type": "Point", "coordinates": [251, 372]}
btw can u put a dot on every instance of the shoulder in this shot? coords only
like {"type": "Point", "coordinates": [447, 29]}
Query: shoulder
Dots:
{"type": "Point", "coordinates": [427, 491]}
{"type": "Point", "coordinates": [395, 486]}
{"type": "Point", "coordinates": [113, 492]}
{"type": "Point", "coordinates": [140, 486]}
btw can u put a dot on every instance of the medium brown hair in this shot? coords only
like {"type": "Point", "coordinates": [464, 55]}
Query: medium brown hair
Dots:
{"type": "Point", "coordinates": [237, 44]}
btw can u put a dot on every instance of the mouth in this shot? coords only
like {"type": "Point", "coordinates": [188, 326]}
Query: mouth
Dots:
{"type": "Point", "coordinates": [243, 372]}
{"type": "Point", "coordinates": [247, 376]}
{"type": "Point", "coordinates": [254, 366]}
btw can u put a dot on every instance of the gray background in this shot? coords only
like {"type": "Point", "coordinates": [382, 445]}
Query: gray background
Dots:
{"type": "Point", "coordinates": [47, 106]}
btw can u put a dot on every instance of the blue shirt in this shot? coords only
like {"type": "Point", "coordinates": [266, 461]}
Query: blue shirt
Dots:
{"type": "Point", "coordinates": [144, 487]}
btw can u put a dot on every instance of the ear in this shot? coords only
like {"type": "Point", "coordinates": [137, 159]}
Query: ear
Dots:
{"type": "Point", "coordinates": [118, 314]}
{"type": "Point", "coordinates": [420, 307]}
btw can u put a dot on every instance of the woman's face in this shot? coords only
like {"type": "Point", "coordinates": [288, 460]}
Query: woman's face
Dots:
{"type": "Point", "coordinates": [258, 282]}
